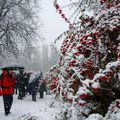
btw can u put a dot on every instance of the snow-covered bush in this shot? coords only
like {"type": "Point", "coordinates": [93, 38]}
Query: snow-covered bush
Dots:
{"type": "Point", "coordinates": [52, 78]}
{"type": "Point", "coordinates": [113, 111]}
{"type": "Point", "coordinates": [89, 64]}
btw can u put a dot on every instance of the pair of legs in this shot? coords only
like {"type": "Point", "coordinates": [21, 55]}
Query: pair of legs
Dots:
{"type": "Point", "coordinates": [20, 96]}
{"type": "Point", "coordinates": [34, 93]}
{"type": "Point", "coordinates": [41, 94]}
{"type": "Point", "coordinates": [8, 100]}
{"type": "Point", "coordinates": [21, 92]}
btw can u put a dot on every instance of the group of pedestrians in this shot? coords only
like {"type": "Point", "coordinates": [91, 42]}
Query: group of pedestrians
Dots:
{"type": "Point", "coordinates": [35, 85]}
{"type": "Point", "coordinates": [30, 84]}
{"type": "Point", "coordinates": [21, 83]}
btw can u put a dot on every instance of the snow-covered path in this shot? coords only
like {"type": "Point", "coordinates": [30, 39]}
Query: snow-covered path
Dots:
{"type": "Point", "coordinates": [24, 109]}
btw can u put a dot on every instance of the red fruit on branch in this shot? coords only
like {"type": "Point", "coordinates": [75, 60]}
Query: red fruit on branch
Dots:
{"type": "Point", "coordinates": [83, 41]}
{"type": "Point", "coordinates": [89, 62]}
{"type": "Point", "coordinates": [60, 11]}
{"type": "Point", "coordinates": [64, 50]}
{"type": "Point", "coordinates": [63, 15]}
{"type": "Point", "coordinates": [109, 72]}
{"type": "Point", "coordinates": [72, 63]}
{"type": "Point", "coordinates": [70, 100]}
{"type": "Point", "coordinates": [118, 55]}
{"type": "Point", "coordinates": [94, 89]}
{"type": "Point", "coordinates": [113, 108]}
{"type": "Point", "coordinates": [115, 28]}
{"type": "Point", "coordinates": [95, 34]}
{"type": "Point", "coordinates": [118, 66]}
{"type": "Point", "coordinates": [104, 78]}
{"type": "Point", "coordinates": [85, 36]}
{"type": "Point", "coordinates": [57, 6]}
{"type": "Point", "coordinates": [117, 103]}
{"type": "Point", "coordinates": [66, 19]}
{"type": "Point", "coordinates": [82, 30]}
{"type": "Point", "coordinates": [90, 41]}
{"type": "Point", "coordinates": [55, 79]}
{"type": "Point", "coordinates": [77, 53]}
{"type": "Point", "coordinates": [52, 86]}
{"type": "Point", "coordinates": [83, 104]}
{"type": "Point", "coordinates": [79, 47]}
{"type": "Point", "coordinates": [66, 41]}
{"type": "Point", "coordinates": [84, 95]}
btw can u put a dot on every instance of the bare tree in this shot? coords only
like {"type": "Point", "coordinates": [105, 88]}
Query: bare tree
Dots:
{"type": "Point", "coordinates": [18, 25]}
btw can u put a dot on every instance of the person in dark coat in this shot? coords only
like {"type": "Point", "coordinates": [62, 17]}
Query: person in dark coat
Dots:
{"type": "Point", "coordinates": [15, 85]}
{"type": "Point", "coordinates": [21, 84]}
{"type": "Point", "coordinates": [6, 82]}
{"type": "Point", "coordinates": [26, 80]}
{"type": "Point", "coordinates": [33, 85]}
{"type": "Point", "coordinates": [42, 86]}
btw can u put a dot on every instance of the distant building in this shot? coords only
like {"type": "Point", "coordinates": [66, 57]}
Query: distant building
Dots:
{"type": "Point", "coordinates": [45, 59]}
{"type": "Point", "coordinates": [53, 56]}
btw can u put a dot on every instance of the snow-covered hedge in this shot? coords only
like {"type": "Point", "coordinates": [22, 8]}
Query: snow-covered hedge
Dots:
{"type": "Point", "coordinates": [89, 64]}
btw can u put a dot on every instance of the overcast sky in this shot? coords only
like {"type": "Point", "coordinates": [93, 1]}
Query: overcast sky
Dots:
{"type": "Point", "coordinates": [53, 24]}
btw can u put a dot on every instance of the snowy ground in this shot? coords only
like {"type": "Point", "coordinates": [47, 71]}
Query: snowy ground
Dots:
{"type": "Point", "coordinates": [25, 109]}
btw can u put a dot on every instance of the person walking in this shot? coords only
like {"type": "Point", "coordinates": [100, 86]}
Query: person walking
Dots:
{"type": "Point", "coordinates": [33, 85]}
{"type": "Point", "coordinates": [21, 84]}
{"type": "Point", "coordinates": [6, 82]}
{"type": "Point", "coordinates": [42, 86]}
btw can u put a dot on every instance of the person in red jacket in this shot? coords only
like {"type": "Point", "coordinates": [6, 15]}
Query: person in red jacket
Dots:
{"type": "Point", "coordinates": [6, 82]}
